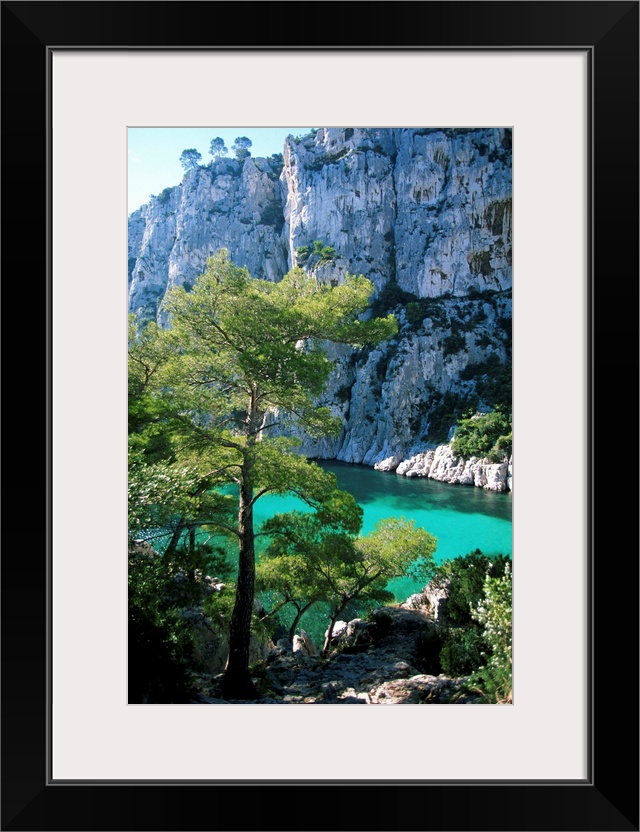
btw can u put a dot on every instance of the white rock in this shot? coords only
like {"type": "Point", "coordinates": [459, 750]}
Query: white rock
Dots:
{"type": "Point", "coordinates": [388, 464]}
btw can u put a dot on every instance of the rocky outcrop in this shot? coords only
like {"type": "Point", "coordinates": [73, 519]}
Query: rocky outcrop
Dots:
{"type": "Point", "coordinates": [228, 204]}
{"type": "Point", "coordinates": [432, 599]}
{"type": "Point", "coordinates": [425, 214]}
{"type": "Point", "coordinates": [380, 661]}
{"type": "Point", "coordinates": [303, 644]}
{"type": "Point", "coordinates": [443, 465]}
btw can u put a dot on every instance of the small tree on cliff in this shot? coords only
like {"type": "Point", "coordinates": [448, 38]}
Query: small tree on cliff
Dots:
{"type": "Point", "coordinates": [241, 147]}
{"type": "Point", "coordinates": [291, 567]}
{"type": "Point", "coordinates": [217, 148]}
{"type": "Point", "coordinates": [190, 158]}
{"type": "Point", "coordinates": [246, 351]}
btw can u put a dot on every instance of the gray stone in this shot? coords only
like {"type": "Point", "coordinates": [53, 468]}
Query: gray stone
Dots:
{"type": "Point", "coordinates": [428, 209]}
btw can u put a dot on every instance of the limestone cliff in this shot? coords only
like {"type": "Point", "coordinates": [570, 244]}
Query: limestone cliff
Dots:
{"type": "Point", "coordinates": [425, 214]}
{"type": "Point", "coordinates": [228, 204]}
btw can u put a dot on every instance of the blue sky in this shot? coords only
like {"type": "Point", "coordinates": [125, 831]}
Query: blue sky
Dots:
{"type": "Point", "coordinates": [154, 153]}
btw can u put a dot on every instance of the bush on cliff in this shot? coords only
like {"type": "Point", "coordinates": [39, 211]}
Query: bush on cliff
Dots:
{"type": "Point", "coordinates": [463, 643]}
{"type": "Point", "coordinates": [493, 681]}
{"type": "Point", "coordinates": [487, 435]}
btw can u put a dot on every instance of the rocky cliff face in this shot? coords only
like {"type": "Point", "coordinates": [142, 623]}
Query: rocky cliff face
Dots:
{"type": "Point", "coordinates": [430, 209]}
{"type": "Point", "coordinates": [425, 214]}
{"type": "Point", "coordinates": [229, 204]}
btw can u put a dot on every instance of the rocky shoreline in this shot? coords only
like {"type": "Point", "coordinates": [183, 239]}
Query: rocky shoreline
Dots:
{"type": "Point", "coordinates": [442, 465]}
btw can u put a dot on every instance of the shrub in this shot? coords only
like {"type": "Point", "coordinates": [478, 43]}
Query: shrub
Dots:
{"type": "Point", "coordinates": [163, 196]}
{"type": "Point", "coordinates": [444, 411]}
{"type": "Point", "coordinates": [391, 296]}
{"type": "Point", "coordinates": [315, 254]}
{"type": "Point", "coordinates": [414, 313]}
{"type": "Point", "coordinates": [302, 254]}
{"type": "Point", "coordinates": [466, 576]}
{"type": "Point", "coordinates": [343, 394]}
{"type": "Point", "coordinates": [461, 652]}
{"type": "Point", "coordinates": [493, 381]}
{"type": "Point", "coordinates": [323, 252]}
{"type": "Point", "coordinates": [161, 641]}
{"type": "Point", "coordinates": [277, 163]}
{"type": "Point", "coordinates": [493, 681]}
{"type": "Point", "coordinates": [272, 215]}
{"type": "Point", "coordinates": [453, 343]}
{"type": "Point", "coordinates": [464, 645]}
{"type": "Point", "coordinates": [484, 435]}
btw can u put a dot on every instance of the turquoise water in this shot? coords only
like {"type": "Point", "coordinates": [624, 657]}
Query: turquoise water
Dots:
{"type": "Point", "coordinates": [462, 518]}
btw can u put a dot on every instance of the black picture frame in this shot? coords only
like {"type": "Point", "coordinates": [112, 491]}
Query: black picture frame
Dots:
{"type": "Point", "coordinates": [608, 798]}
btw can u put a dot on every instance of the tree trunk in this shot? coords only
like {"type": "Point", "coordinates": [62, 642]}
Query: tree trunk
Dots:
{"type": "Point", "coordinates": [175, 537]}
{"type": "Point", "coordinates": [237, 682]}
{"type": "Point", "coordinates": [327, 638]}
{"type": "Point", "coordinates": [237, 679]}
{"type": "Point", "coordinates": [300, 611]}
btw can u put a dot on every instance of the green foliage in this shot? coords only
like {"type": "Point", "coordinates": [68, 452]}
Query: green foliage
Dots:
{"type": "Point", "coordinates": [484, 435]}
{"type": "Point", "coordinates": [391, 297]}
{"type": "Point", "coordinates": [158, 492]}
{"type": "Point", "coordinates": [416, 309]}
{"type": "Point", "coordinates": [241, 147]}
{"type": "Point", "coordinates": [163, 196]}
{"type": "Point", "coordinates": [302, 254]}
{"type": "Point", "coordinates": [190, 159]}
{"type": "Point", "coordinates": [320, 557]}
{"type": "Point", "coordinates": [466, 576]}
{"type": "Point", "coordinates": [277, 163]}
{"type": "Point", "coordinates": [148, 414]}
{"type": "Point", "coordinates": [453, 343]}
{"type": "Point", "coordinates": [217, 148]}
{"type": "Point", "coordinates": [238, 352]}
{"type": "Point", "coordinates": [232, 332]}
{"type": "Point", "coordinates": [493, 379]}
{"type": "Point", "coordinates": [161, 641]}
{"type": "Point", "coordinates": [166, 480]}
{"type": "Point", "coordinates": [493, 681]}
{"type": "Point", "coordinates": [272, 215]}
{"type": "Point", "coordinates": [315, 254]}
{"type": "Point", "coordinates": [461, 651]}
{"type": "Point", "coordinates": [444, 411]}
{"type": "Point", "coordinates": [463, 644]}
{"type": "Point", "coordinates": [327, 254]}
{"type": "Point", "coordinates": [414, 313]}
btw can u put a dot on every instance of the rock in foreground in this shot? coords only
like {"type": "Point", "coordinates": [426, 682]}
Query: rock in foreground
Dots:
{"type": "Point", "coordinates": [377, 662]}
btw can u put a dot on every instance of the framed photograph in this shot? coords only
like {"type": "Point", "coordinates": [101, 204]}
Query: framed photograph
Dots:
{"type": "Point", "coordinates": [562, 80]}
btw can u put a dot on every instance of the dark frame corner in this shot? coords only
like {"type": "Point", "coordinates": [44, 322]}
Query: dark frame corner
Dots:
{"type": "Point", "coordinates": [608, 801]}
